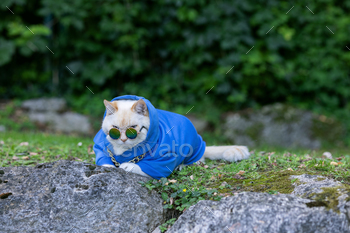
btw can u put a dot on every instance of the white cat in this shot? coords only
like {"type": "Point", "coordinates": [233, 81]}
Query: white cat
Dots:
{"type": "Point", "coordinates": [131, 122]}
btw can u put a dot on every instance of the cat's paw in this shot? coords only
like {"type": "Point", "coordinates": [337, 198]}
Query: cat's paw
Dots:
{"type": "Point", "coordinates": [132, 167]}
{"type": "Point", "coordinates": [236, 153]}
{"type": "Point", "coordinates": [180, 167]}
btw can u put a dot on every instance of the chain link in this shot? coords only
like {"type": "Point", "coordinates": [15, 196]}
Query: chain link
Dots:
{"type": "Point", "coordinates": [134, 160]}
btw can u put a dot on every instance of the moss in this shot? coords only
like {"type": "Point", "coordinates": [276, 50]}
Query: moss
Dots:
{"type": "Point", "coordinates": [320, 178]}
{"type": "Point", "coordinates": [267, 182]}
{"type": "Point", "coordinates": [329, 197]}
{"type": "Point", "coordinates": [316, 204]}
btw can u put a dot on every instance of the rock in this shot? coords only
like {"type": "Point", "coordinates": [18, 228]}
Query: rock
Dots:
{"type": "Point", "coordinates": [224, 184]}
{"type": "Point", "coordinates": [50, 112]}
{"type": "Point", "coordinates": [259, 212]}
{"type": "Point", "coordinates": [72, 122]}
{"type": "Point", "coordinates": [70, 196]}
{"type": "Point", "coordinates": [2, 128]}
{"type": "Point", "coordinates": [282, 126]}
{"type": "Point", "coordinates": [157, 230]}
{"type": "Point", "coordinates": [68, 122]}
{"type": "Point", "coordinates": [327, 155]}
{"type": "Point", "coordinates": [323, 192]}
{"type": "Point", "coordinates": [42, 117]}
{"type": "Point", "coordinates": [45, 104]}
{"type": "Point", "coordinates": [200, 124]}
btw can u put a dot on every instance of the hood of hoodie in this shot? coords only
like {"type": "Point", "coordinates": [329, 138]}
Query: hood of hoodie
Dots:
{"type": "Point", "coordinates": [152, 134]}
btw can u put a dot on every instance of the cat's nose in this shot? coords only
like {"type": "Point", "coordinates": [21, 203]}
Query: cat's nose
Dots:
{"type": "Point", "coordinates": [124, 140]}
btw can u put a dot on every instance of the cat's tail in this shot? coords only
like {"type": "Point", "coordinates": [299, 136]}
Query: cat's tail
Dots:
{"type": "Point", "coordinates": [228, 153]}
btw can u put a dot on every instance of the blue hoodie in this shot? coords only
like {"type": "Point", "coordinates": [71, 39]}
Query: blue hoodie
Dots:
{"type": "Point", "coordinates": [171, 140]}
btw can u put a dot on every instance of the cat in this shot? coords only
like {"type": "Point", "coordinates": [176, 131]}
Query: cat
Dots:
{"type": "Point", "coordinates": [132, 127]}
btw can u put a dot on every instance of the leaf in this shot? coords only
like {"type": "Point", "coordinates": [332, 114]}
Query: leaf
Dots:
{"type": "Point", "coordinates": [24, 144]}
{"type": "Point", "coordinates": [293, 180]}
{"type": "Point", "coordinates": [165, 196]}
{"type": "Point", "coordinates": [223, 184]}
{"type": "Point", "coordinates": [327, 155]}
{"type": "Point", "coordinates": [90, 150]}
{"type": "Point", "coordinates": [191, 177]}
{"type": "Point", "coordinates": [173, 181]}
{"type": "Point", "coordinates": [33, 153]}
{"type": "Point", "coordinates": [25, 157]}
{"type": "Point", "coordinates": [240, 172]}
{"type": "Point", "coordinates": [15, 158]}
{"type": "Point", "coordinates": [334, 163]}
{"type": "Point", "coordinates": [289, 169]}
{"type": "Point", "coordinates": [7, 49]}
{"type": "Point", "coordinates": [238, 177]}
{"type": "Point", "coordinates": [206, 166]}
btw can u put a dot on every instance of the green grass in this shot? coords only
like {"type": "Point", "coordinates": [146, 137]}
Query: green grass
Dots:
{"type": "Point", "coordinates": [42, 148]}
{"type": "Point", "coordinates": [267, 170]}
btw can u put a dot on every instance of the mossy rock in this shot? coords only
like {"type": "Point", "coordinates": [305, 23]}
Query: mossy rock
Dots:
{"type": "Point", "coordinates": [329, 198]}
{"type": "Point", "coordinates": [331, 194]}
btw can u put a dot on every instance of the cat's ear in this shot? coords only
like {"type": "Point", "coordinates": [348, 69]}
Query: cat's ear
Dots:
{"type": "Point", "coordinates": [110, 108]}
{"type": "Point", "coordinates": [140, 107]}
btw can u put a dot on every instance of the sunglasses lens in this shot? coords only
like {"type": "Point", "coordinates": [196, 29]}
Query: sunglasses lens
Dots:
{"type": "Point", "coordinates": [114, 133]}
{"type": "Point", "coordinates": [131, 133]}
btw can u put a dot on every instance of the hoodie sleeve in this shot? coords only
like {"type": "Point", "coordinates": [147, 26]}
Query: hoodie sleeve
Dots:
{"type": "Point", "coordinates": [101, 158]}
{"type": "Point", "coordinates": [160, 167]}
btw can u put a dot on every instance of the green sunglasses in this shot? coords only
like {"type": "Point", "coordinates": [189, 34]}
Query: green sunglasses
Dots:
{"type": "Point", "coordinates": [130, 133]}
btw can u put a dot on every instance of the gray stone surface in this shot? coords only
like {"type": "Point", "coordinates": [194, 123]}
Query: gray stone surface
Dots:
{"type": "Point", "coordinates": [308, 184]}
{"type": "Point", "coordinates": [323, 191]}
{"type": "Point", "coordinates": [282, 126]}
{"type": "Point", "coordinates": [68, 122]}
{"type": "Point", "coordinates": [77, 197]}
{"type": "Point", "coordinates": [45, 104]}
{"type": "Point", "coordinates": [51, 112]}
{"type": "Point", "coordinates": [260, 212]}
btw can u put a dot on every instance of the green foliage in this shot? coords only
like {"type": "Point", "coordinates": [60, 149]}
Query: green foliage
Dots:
{"type": "Point", "coordinates": [165, 226]}
{"type": "Point", "coordinates": [178, 195]}
{"type": "Point", "coordinates": [14, 120]}
{"type": "Point", "coordinates": [173, 52]}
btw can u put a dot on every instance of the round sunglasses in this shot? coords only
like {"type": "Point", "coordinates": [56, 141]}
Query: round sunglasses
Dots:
{"type": "Point", "coordinates": [130, 133]}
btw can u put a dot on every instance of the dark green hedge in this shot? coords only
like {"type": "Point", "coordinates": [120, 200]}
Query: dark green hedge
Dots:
{"type": "Point", "coordinates": [173, 52]}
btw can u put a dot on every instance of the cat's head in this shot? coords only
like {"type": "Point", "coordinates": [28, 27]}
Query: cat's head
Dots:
{"type": "Point", "coordinates": [124, 114]}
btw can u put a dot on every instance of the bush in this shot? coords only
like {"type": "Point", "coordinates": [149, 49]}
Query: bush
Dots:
{"type": "Point", "coordinates": [174, 52]}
